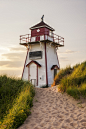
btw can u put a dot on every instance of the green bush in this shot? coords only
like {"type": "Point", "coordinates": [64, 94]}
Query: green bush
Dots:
{"type": "Point", "coordinates": [62, 73]}
{"type": "Point", "coordinates": [82, 89]}
{"type": "Point", "coordinates": [73, 80]}
{"type": "Point", "coordinates": [73, 92]}
{"type": "Point", "coordinates": [15, 101]}
{"type": "Point", "coordinates": [19, 119]}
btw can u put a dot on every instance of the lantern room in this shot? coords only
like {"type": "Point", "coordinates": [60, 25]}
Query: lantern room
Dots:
{"type": "Point", "coordinates": [41, 31]}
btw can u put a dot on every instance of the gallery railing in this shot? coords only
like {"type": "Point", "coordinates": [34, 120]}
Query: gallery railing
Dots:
{"type": "Point", "coordinates": [44, 35]}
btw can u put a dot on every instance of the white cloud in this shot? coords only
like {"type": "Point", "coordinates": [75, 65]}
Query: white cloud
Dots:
{"type": "Point", "coordinates": [12, 60]}
{"type": "Point", "coordinates": [14, 56]}
{"type": "Point", "coordinates": [18, 49]}
{"type": "Point", "coordinates": [11, 64]}
{"type": "Point", "coordinates": [68, 52]}
{"type": "Point", "coordinates": [63, 59]}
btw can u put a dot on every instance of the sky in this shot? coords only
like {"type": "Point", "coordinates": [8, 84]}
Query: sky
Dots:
{"type": "Point", "coordinates": [67, 17]}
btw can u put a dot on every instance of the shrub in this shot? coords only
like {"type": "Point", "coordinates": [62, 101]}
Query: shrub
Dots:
{"type": "Point", "coordinates": [82, 89]}
{"type": "Point", "coordinates": [73, 80]}
{"type": "Point", "coordinates": [73, 92]}
{"type": "Point", "coordinates": [62, 73]}
{"type": "Point", "coordinates": [18, 102]}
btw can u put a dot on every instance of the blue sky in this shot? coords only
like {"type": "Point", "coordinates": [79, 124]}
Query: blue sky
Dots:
{"type": "Point", "coordinates": [67, 17]}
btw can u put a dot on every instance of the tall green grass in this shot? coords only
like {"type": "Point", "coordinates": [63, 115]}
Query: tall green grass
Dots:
{"type": "Point", "coordinates": [16, 98]}
{"type": "Point", "coordinates": [73, 83]}
{"type": "Point", "coordinates": [62, 73]}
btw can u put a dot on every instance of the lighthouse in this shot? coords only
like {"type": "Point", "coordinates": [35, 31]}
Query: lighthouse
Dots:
{"type": "Point", "coordinates": [41, 63]}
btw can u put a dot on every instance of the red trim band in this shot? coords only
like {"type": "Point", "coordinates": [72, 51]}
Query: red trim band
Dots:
{"type": "Point", "coordinates": [46, 65]}
{"type": "Point", "coordinates": [35, 62]}
{"type": "Point", "coordinates": [54, 66]}
{"type": "Point", "coordinates": [25, 61]}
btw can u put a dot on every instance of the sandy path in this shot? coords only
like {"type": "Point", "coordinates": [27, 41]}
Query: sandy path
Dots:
{"type": "Point", "coordinates": [53, 110]}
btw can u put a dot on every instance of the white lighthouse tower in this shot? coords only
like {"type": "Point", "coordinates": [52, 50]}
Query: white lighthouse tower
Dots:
{"type": "Point", "coordinates": [41, 63]}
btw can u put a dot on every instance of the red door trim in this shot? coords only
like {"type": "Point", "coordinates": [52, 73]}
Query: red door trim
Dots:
{"type": "Point", "coordinates": [25, 61]}
{"type": "Point", "coordinates": [36, 74]}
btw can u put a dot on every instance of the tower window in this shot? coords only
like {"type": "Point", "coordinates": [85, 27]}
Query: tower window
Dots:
{"type": "Point", "coordinates": [35, 55]}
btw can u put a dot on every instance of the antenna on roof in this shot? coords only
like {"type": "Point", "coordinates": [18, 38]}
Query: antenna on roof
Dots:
{"type": "Point", "coordinates": [42, 18]}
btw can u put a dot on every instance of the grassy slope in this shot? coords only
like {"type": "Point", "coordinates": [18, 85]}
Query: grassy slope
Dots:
{"type": "Point", "coordinates": [15, 101]}
{"type": "Point", "coordinates": [72, 80]}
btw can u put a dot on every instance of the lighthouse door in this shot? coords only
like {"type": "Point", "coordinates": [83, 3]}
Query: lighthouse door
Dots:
{"type": "Point", "coordinates": [33, 74]}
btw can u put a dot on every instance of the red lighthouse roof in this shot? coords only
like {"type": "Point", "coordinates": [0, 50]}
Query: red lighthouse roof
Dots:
{"type": "Point", "coordinates": [40, 25]}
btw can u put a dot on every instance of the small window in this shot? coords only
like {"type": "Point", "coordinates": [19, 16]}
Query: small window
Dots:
{"type": "Point", "coordinates": [55, 72]}
{"type": "Point", "coordinates": [35, 55]}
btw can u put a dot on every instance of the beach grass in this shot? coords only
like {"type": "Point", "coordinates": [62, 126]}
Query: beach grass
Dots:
{"type": "Point", "coordinates": [72, 80]}
{"type": "Point", "coordinates": [16, 98]}
{"type": "Point", "coordinates": [62, 73]}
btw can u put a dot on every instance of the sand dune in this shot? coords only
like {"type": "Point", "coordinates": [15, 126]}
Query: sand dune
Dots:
{"type": "Point", "coordinates": [53, 110]}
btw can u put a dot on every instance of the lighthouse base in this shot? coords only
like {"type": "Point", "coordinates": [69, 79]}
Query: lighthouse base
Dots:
{"type": "Point", "coordinates": [41, 65]}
